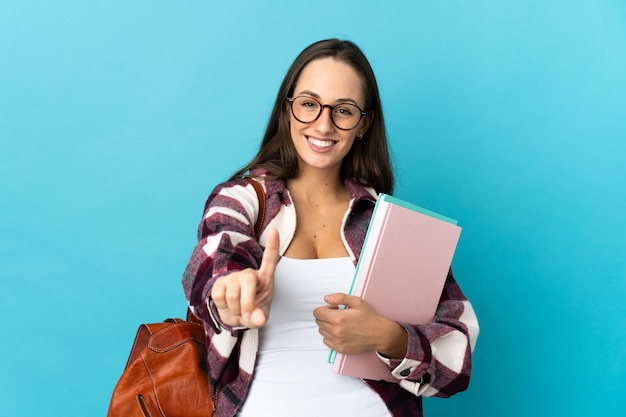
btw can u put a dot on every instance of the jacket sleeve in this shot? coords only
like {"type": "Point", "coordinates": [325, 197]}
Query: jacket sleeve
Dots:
{"type": "Point", "coordinates": [439, 354]}
{"type": "Point", "coordinates": [226, 242]}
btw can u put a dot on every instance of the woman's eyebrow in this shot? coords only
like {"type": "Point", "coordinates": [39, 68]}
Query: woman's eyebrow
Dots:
{"type": "Point", "coordinates": [317, 96]}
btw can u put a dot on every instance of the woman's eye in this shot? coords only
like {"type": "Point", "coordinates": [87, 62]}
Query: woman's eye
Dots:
{"type": "Point", "coordinates": [344, 111]}
{"type": "Point", "coordinates": [309, 104]}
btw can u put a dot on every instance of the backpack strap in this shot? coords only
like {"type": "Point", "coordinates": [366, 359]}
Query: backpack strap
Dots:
{"type": "Point", "coordinates": [260, 193]}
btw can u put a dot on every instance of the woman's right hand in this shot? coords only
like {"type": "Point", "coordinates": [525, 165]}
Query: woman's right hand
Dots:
{"type": "Point", "coordinates": [243, 298]}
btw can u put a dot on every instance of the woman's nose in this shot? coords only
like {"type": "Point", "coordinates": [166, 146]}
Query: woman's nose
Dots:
{"type": "Point", "coordinates": [325, 121]}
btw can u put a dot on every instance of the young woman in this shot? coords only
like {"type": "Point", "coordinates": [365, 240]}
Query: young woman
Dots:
{"type": "Point", "coordinates": [270, 302]}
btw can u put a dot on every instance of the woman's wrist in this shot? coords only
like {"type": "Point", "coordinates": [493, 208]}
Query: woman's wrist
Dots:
{"type": "Point", "coordinates": [393, 340]}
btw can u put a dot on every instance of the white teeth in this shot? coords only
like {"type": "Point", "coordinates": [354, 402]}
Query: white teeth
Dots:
{"type": "Point", "coordinates": [321, 143]}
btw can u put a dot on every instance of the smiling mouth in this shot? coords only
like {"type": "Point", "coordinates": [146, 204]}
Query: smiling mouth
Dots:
{"type": "Point", "coordinates": [322, 144]}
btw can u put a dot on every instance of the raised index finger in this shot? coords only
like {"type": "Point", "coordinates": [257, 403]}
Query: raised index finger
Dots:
{"type": "Point", "coordinates": [271, 256]}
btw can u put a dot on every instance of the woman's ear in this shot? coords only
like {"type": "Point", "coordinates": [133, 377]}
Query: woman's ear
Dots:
{"type": "Point", "coordinates": [367, 121]}
{"type": "Point", "coordinates": [288, 113]}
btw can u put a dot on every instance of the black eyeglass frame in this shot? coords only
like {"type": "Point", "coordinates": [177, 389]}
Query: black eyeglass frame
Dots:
{"type": "Point", "coordinates": [322, 107]}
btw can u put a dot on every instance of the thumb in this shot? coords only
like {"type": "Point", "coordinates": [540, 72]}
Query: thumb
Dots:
{"type": "Point", "coordinates": [338, 299]}
{"type": "Point", "coordinates": [270, 256]}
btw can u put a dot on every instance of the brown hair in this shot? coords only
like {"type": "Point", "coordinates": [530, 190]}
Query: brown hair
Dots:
{"type": "Point", "coordinates": [368, 160]}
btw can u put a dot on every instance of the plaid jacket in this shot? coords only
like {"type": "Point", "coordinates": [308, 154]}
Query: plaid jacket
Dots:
{"type": "Point", "coordinates": [439, 355]}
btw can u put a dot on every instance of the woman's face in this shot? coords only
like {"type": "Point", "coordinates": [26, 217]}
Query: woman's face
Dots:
{"type": "Point", "coordinates": [320, 144]}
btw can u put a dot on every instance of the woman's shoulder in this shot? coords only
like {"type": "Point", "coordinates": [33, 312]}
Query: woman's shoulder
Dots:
{"type": "Point", "coordinates": [271, 184]}
{"type": "Point", "coordinates": [241, 187]}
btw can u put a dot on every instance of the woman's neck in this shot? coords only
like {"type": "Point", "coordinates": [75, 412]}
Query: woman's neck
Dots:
{"type": "Point", "coordinates": [318, 186]}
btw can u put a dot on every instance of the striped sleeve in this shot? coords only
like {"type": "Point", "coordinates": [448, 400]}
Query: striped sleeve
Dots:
{"type": "Point", "coordinates": [439, 356]}
{"type": "Point", "coordinates": [226, 242]}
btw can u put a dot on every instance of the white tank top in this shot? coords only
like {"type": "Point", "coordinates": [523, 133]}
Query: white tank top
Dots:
{"type": "Point", "coordinates": [292, 375]}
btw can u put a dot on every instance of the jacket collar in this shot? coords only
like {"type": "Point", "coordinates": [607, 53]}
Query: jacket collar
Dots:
{"type": "Point", "coordinates": [359, 192]}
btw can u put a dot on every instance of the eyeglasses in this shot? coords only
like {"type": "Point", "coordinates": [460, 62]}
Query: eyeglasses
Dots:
{"type": "Point", "coordinates": [345, 116]}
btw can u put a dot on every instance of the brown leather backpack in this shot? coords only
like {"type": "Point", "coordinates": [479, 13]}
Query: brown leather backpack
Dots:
{"type": "Point", "coordinates": [165, 374]}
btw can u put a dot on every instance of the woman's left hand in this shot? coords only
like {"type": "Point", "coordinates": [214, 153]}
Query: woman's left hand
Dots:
{"type": "Point", "coordinates": [358, 328]}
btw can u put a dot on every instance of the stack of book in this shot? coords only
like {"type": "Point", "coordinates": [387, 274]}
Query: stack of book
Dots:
{"type": "Point", "coordinates": [401, 273]}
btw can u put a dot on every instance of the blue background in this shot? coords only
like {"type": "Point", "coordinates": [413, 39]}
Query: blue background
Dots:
{"type": "Point", "coordinates": [117, 118]}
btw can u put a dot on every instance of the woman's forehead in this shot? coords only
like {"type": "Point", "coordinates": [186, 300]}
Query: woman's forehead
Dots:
{"type": "Point", "coordinates": [330, 80]}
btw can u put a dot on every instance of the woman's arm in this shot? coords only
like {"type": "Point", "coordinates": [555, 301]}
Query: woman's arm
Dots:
{"type": "Point", "coordinates": [226, 243]}
{"type": "Point", "coordinates": [428, 359]}
{"type": "Point", "coordinates": [438, 361]}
